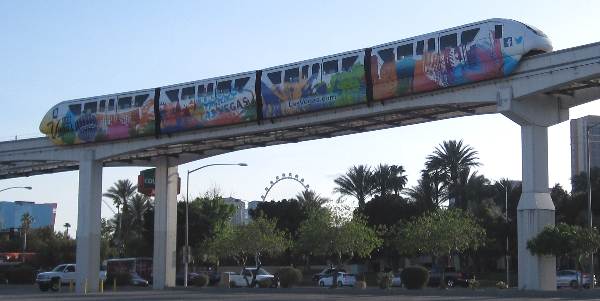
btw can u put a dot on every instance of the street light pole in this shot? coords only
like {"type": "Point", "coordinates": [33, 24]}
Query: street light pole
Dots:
{"type": "Point", "coordinates": [186, 250]}
{"type": "Point", "coordinates": [14, 187]}
{"type": "Point", "coordinates": [505, 186]}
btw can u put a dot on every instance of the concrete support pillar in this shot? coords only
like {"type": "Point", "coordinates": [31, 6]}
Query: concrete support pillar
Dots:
{"type": "Point", "coordinates": [165, 225]}
{"type": "Point", "coordinates": [534, 114]}
{"type": "Point", "coordinates": [88, 224]}
{"type": "Point", "coordinates": [535, 210]}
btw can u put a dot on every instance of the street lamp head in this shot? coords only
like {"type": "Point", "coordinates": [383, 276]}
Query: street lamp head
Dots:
{"type": "Point", "coordinates": [27, 187]}
{"type": "Point", "coordinates": [242, 164]}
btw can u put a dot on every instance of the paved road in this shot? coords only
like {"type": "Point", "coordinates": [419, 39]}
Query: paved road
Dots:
{"type": "Point", "coordinates": [29, 292]}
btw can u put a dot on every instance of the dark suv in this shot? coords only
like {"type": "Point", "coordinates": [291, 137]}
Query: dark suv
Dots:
{"type": "Point", "coordinates": [451, 276]}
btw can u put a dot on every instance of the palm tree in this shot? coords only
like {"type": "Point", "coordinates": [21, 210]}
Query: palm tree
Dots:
{"type": "Point", "coordinates": [388, 179]}
{"type": "Point", "coordinates": [26, 221]}
{"type": "Point", "coordinates": [452, 159]}
{"type": "Point", "coordinates": [67, 226]}
{"type": "Point", "coordinates": [357, 182]}
{"type": "Point", "coordinates": [120, 193]}
{"type": "Point", "coordinates": [429, 193]}
{"type": "Point", "coordinates": [310, 200]}
{"type": "Point", "coordinates": [138, 205]}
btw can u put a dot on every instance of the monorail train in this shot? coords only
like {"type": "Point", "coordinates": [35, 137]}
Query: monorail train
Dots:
{"type": "Point", "coordinates": [446, 58]}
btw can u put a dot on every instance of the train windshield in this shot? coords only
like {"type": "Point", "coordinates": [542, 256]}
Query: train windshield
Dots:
{"type": "Point", "coordinates": [535, 30]}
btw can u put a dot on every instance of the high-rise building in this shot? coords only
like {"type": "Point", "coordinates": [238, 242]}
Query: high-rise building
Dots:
{"type": "Point", "coordinates": [240, 217]}
{"type": "Point", "coordinates": [579, 156]}
{"type": "Point", "coordinates": [253, 205]}
{"type": "Point", "coordinates": [11, 213]}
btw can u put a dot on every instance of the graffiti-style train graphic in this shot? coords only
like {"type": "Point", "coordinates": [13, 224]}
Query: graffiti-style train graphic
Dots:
{"type": "Point", "coordinates": [461, 55]}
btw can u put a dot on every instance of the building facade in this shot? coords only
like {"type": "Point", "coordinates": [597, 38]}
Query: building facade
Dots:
{"type": "Point", "coordinates": [240, 217]}
{"type": "Point", "coordinates": [579, 135]}
{"type": "Point", "coordinates": [11, 213]}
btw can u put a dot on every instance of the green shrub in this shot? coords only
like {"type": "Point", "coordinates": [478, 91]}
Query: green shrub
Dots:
{"type": "Point", "coordinates": [123, 278]}
{"type": "Point", "coordinates": [200, 280]}
{"type": "Point", "coordinates": [264, 283]}
{"type": "Point", "coordinates": [414, 277]}
{"type": "Point", "coordinates": [361, 277]}
{"type": "Point", "coordinates": [501, 285]}
{"type": "Point", "coordinates": [22, 274]}
{"type": "Point", "coordinates": [474, 283]}
{"type": "Point", "coordinates": [385, 280]}
{"type": "Point", "coordinates": [289, 277]}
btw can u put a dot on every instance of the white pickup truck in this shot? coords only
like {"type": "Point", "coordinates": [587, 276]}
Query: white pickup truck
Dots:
{"type": "Point", "coordinates": [61, 274]}
{"type": "Point", "coordinates": [245, 277]}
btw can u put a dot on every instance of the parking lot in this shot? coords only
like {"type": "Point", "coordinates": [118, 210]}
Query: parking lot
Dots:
{"type": "Point", "coordinates": [30, 292]}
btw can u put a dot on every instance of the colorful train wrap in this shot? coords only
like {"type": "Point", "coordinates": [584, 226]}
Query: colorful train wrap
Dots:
{"type": "Point", "coordinates": [461, 55]}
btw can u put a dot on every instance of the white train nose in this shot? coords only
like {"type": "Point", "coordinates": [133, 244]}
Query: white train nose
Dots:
{"type": "Point", "coordinates": [537, 43]}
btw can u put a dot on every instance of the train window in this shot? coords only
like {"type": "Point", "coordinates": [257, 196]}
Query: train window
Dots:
{"type": "Point", "coordinates": [55, 113]}
{"type": "Point", "coordinates": [124, 103]}
{"type": "Point", "coordinates": [210, 89]}
{"type": "Point", "coordinates": [330, 67]}
{"type": "Point", "coordinates": [291, 75]}
{"type": "Point", "coordinates": [305, 72]}
{"type": "Point", "coordinates": [431, 44]}
{"type": "Point", "coordinates": [387, 55]}
{"type": "Point", "coordinates": [316, 68]}
{"type": "Point", "coordinates": [275, 77]}
{"type": "Point", "coordinates": [468, 36]}
{"type": "Point", "coordinates": [348, 62]}
{"type": "Point", "coordinates": [420, 46]}
{"type": "Point", "coordinates": [224, 87]}
{"type": "Point", "coordinates": [90, 107]}
{"type": "Point", "coordinates": [75, 109]}
{"type": "Point", "coordinates": [448, 41]}
{"type": "Point", "coordinates": [201, 90]}
{"type": "Point", "coordinates": [188, 93]}
{"type": "Point", "coordinates": [498, 32]}
{"type": "Point", "coordinates": [102, 105]}
{"type": "Point", "coordinates": [173, 95]}
{"type": "Point", "coordinates": [404, 51]}
{"type": "Point", "coordinates": [240, 83]}
{"type": "Point", "coordinates": [140, 99]}
{"type": "Point", "coordinates": [111, 105]}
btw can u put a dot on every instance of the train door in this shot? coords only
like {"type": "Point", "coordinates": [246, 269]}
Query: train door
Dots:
{"type": "Point", "coordinates": [405, 67]}
{"type": "Point", "coordinates": [427, 66]}
{"type": "Point", "coordinates": [205, 100]}
{"type": "Point", "coordinates": [344, 77]}
{"type": "Point", "coordinates": [383, 72]}
{"type": "Point", "coordinates": [511, 47]}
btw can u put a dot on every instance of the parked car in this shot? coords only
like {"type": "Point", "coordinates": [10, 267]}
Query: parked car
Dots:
{"type": "Point", "coordinates": [214, 277]}
{"type": "Point", "coordinates": [61, 274]}
{"type": "Point", "coordinates": [396, 280]}
{"type": "Point", "coordinates": [179, 280]}
{"type": "Point", "coordinates": [137, 280]}
{"type": "Point", "coordinates": [325, 272]}
{"type": "Point", "coordinates": [343, 279]}
{"type": "Point", "coordinates": [451, 277]}
{"type": "Point", "coordinates": [245, 276]}
{"type": "Point", "coordinates": [572, 278]}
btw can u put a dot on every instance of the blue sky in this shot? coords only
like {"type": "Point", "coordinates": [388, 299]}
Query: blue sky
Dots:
{"type": "Point", "coordinates": [58, 50]}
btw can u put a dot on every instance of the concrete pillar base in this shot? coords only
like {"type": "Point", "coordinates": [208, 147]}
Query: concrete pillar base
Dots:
{"type": "Point", "coordinates": [535, 272]}
{"type": "Point", "coordinates": [88, 225]}
{"type": "Point", "coordinates": [535, 210]}
{"type": "Point", "coordinates": [165, 225]}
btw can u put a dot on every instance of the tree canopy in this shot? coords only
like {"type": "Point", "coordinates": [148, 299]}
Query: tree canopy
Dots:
{"type": "Point", "coordinates": [565, 240]}
{"type": "Point", "coordinates": [322, 234]}
{"type": "Point", "coordinates": [441, 233]}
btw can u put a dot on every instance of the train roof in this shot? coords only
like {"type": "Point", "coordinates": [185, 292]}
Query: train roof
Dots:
{"type": "Point", "coordinates": [447, 30]}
